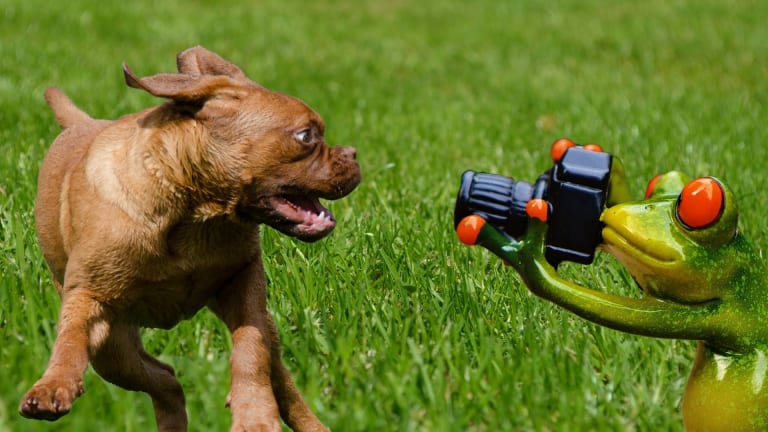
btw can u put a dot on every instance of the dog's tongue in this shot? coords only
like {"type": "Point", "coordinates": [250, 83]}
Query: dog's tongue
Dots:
{"type": "Point", "coordinates": [310, 217]}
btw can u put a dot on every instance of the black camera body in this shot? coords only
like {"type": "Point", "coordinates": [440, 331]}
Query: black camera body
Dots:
{"type": "Point", "coordinates": [576, 189]}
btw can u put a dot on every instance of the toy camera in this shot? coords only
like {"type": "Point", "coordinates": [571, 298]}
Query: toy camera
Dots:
{"type": "Point", "coordinates": [575, 191]}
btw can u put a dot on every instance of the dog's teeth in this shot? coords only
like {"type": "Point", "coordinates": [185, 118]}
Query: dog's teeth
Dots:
{"type": "Point", "coordinates": [324, 216]}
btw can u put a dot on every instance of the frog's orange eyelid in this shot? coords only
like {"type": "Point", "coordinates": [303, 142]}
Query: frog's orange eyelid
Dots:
{"type": "Point", "coordinates": [701, 203]}
{"type": "Point", "coordinates": [652, 185]}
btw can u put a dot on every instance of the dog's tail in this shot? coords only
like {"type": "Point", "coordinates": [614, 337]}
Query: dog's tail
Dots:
{"type": "Point", "coordinates": [67, 114]}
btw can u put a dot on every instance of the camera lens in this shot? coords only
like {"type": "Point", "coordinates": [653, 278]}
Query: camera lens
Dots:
{"type": "Point", "coordinates": [498, 199]}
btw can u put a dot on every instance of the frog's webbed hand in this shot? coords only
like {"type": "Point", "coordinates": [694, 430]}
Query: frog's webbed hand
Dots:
{"type": "Point", "coordinates": [526, 256]}
{"type": "Point", "coordinates": [531, 258]}
{"type": "Point", "coordinates": [473, 230]}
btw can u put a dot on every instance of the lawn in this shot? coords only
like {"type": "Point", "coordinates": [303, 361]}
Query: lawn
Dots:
{"type": "Point", "coordinates": [391, 324]}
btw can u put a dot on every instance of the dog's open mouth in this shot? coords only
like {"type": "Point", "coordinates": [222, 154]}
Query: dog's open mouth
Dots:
{"type": "Point", "coordinates": [303, 217]}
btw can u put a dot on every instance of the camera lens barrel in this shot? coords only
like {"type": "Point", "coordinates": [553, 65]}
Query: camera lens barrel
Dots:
{"type": "Point", "coordinates": [498, 199]}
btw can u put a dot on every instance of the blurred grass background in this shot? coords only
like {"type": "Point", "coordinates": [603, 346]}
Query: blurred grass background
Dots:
{"type": "Point", "coordinates": [391, 324]}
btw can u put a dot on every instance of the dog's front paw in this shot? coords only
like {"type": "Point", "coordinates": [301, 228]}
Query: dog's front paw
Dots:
{"type": "Point", "coordinates": [50, 399]}
{"type": "Point", "coordinates": [253, 416]}
{"type": "Point", "coordinates": [257, 425]}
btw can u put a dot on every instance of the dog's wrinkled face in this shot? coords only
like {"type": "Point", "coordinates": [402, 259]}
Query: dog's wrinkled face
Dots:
{"type": "Point", "coordinates": [289, 168]}
{"type": "Point", "coordinates": [273, 144]}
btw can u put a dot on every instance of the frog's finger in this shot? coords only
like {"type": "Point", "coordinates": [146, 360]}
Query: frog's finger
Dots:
{"type": "Point", "coordinates": [538, 208]}
{"type": "Point", "coordinates": [473, 230]}
{"type": "Point", "coordinates": [535, 237]}
{"type": "Point", "coordinates": [538, 211]}
{"type": "Point", "coordinates": [469, 229]}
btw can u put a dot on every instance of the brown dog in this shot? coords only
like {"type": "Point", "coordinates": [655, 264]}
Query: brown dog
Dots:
{"type": "Point", "coordinates": [145, 220]}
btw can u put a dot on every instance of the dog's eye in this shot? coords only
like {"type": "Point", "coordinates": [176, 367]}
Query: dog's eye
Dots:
{"type": "Point", "coordinates": [304, 136]}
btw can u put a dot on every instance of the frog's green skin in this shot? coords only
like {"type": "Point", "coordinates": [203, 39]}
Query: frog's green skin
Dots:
{"type": "Point", "coordinates": [707, 285]}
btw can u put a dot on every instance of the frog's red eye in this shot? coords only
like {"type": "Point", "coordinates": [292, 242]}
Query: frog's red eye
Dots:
{"type": "Point", "coordinates": [701, 203]}
{"type": "Point", "coordinates": [652, 185]}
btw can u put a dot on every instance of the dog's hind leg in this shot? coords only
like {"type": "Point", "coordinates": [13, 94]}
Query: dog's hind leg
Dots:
{"type": "Point", "coordinates": [293, 407]}
{"type": "Point", "coordinates": [121, 360]}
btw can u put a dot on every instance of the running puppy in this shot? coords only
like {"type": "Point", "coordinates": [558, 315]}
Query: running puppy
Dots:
{"type": "Point", "coordinates": [146, 219]}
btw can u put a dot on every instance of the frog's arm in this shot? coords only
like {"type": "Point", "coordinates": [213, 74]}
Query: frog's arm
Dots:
{"type": "Point", "coordinates": [646, 316]}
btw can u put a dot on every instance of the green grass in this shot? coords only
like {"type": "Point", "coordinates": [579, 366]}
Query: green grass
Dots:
{"type": "Point", "coordinates": [390, 324]}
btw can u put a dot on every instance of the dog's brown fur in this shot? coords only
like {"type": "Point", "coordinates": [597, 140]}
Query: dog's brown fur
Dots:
{"type": "Point", "coordinates": [146, 219]}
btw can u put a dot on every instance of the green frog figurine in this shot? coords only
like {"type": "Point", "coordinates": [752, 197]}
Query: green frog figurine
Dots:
{"type": "Point", "coordinates": [701, 280]}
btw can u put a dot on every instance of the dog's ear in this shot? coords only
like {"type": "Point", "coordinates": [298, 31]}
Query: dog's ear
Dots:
{"type": "Point", "coordinates": [200, 61]}
{"type": "Point", "coordinates": [179, 87]}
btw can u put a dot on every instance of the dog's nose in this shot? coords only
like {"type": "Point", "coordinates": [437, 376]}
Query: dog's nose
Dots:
{"type": "Point", "coordinates": [349, 152]}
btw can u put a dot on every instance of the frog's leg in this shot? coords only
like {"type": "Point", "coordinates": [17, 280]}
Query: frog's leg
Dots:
{"type": "Point", "coordinates": [647, 316]}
